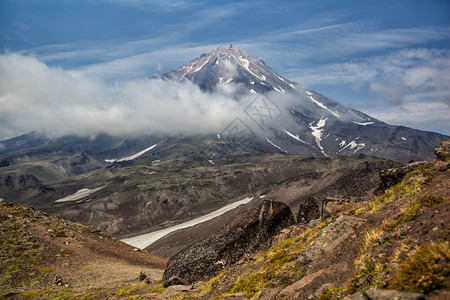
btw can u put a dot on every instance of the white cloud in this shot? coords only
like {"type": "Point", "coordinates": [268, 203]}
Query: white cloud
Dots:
{"type": "Point", "coordinates": [34, 96]}
{"type": "Point", "coordinates": [434, 116]}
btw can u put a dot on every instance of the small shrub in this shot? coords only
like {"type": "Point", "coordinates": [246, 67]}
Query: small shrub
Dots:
{"type": "Point", "coordinates": [126, 291]}
{"type": "Point", "coordinates": [157, 289]}
{"type": "Point", "coordinates": [430, 200]}
{"type": "Point", "coordinates": [251, 284]}
{"type": "Point", "coordinates": [60, 233]}
{"type": "Point", "coordinates": [326, 294]}
{"type": "Point", "coordinates": [424, 271]}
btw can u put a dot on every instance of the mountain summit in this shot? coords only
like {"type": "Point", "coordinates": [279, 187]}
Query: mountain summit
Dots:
{"type": "Point", "coordinates": [227, 64]}
{"type": "Point", "coordinates": [289, 118]}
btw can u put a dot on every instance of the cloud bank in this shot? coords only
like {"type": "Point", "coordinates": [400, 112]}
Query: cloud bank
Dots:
{"type": "Point", "coordinates": [34, 96]}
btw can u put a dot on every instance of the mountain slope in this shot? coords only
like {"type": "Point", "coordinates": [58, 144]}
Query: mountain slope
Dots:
{"type": "Point", "coordinates": [296, 120]}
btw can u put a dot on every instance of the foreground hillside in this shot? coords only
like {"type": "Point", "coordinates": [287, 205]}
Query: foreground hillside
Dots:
{"type": "Point", "coordinates": [43, 256]}
{"type": "Point", "coordinates": [399, 241]}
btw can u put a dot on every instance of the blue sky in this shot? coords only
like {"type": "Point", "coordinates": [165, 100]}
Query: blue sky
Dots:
{"type": "Point", "coordinates": [389, 59]}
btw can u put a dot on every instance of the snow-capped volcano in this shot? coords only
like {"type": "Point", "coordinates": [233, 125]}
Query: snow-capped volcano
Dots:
{"type": "Point", "coordinates": [292, 119]}
{"type": "Point", "coordinates": [227, 64]}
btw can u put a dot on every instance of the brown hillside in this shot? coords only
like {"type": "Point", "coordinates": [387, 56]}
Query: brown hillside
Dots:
{"type": "Point", "coordinates": [43, 255]}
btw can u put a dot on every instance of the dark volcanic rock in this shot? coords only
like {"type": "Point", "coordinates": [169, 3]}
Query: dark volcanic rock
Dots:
{"type": "Point", "coordinates": [308, 210]}
{"type": "Point", "coordinates": [251, 231]}
{"type": "Point", "coordinates": [393, 176]}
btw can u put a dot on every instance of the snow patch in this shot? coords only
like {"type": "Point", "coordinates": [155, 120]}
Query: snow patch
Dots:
{"type": "Point", "coordinates": [295, 137]}
{"type": "Point", "coordinates": [276, 146]}
{"type": "Point", "coordinates": [229, 80]}
{"type": "Point", "coordinates": [130, 157]}
{"type": "Point", "coordinates": [252, 91]}
{"type": "Point", "coordinates": [364, 124]}
{"type": "Point", "coordinates": [403, 138]}
{"type": "Point", "coordinates": [353, 145]}
{"type": "Point", "coordinates": [245, 62]}
{"type": "Point", "coordinates": [211, 161]}
{"type": "Point", "coordinates": [79, 195]}
{"type": "Point", "coordinates": [199, 68]}
{"type": "Point", "coordinates": [317, 132]}
{"type": "Point", "coordinates": [281, 91]}
{"type": "Point", "coordinates": [220, 79]}
{"type": "Point", "coordinates": [252, 82]}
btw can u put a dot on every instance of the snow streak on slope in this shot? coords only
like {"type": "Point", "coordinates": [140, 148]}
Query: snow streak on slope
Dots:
{"type": "Point", "coordinates": [276, 146]}
{"type": "Point", "coordinates": [352, 145]}
{"type": "Point", "coordinates": [317, 132]}
{"type": "Point", "coordinates": [130, 157]}
{"type": "Point", "coordinates": [144, 240]}
{"type": "Point", "coordinates": [364, 124]}
{"type": "Point", "coordinates": [295, 137]}
{"type": "Point", "coordinates": [321, 105]}
{"type": "Point", "coordinates": [79, 195]}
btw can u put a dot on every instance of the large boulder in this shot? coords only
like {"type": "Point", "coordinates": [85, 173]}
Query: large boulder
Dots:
{"type": "Point", "coordinates": [308, 210]}
{"type": "Point", "coordinates": [251, 231]}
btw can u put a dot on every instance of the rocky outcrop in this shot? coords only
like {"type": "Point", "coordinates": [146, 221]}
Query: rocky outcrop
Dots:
{"type": "Point", "coordinates": [443, 151]}
{"type": "Point", "coordinates": [251, 231]}
{"type": "Point", "coordinates": [308, 210]}
{"type": "Point", "coordinates": [330, 238]}
{"type": "Point", "coordinates": [393, 176]}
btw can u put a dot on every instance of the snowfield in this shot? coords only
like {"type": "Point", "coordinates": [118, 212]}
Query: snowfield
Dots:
{"type": "Point", "coordinates": [144, 240]}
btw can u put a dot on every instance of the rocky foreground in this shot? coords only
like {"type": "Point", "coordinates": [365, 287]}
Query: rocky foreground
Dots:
{"type": "Point", "coordinates": [396, 245]}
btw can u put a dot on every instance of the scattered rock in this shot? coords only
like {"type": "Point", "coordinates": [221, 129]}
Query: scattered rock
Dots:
{"type": "Point", "coordinates": [443, 151]}
{"type": "Point", "coordinates": [251, 231]}
{"type": "Point", "coordinates": [441, 166]}
{"type": "Point", "coordinates": [388, 295]}
{"type": "Point", "coordinates": [150, 275]}
{"type": "Point", "coordinates": [308, 210]}
{"type": "Point", "coordinates": [58, 280]}
{"type": "Point", "coordinates": [142, 276]}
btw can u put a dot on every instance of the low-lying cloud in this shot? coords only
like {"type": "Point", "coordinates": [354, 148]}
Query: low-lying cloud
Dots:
{"type": "Point", "coordinates": [34, 96]}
